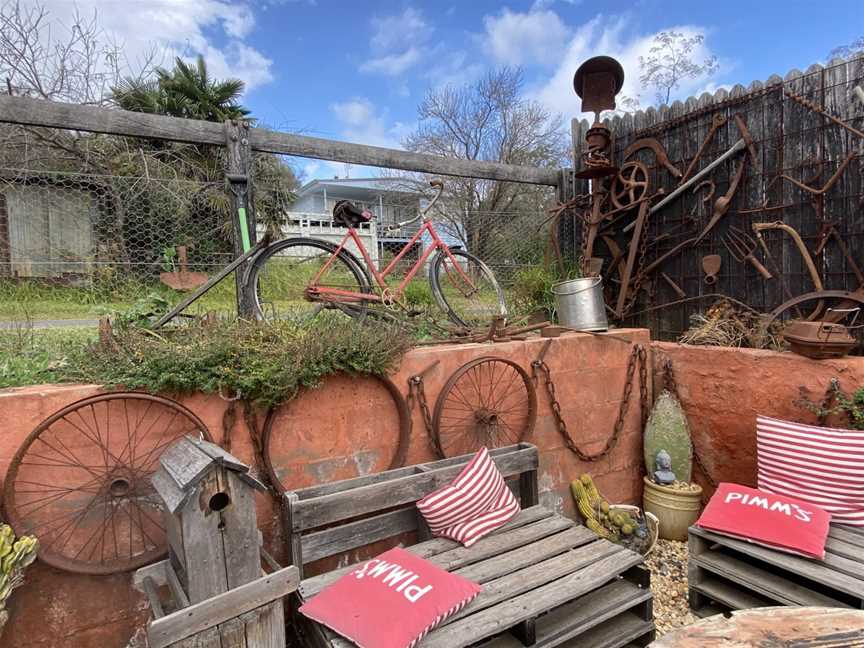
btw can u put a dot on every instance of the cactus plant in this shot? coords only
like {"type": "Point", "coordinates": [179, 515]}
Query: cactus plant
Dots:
{"type": "Point", "coordinates": [15, 556]}
{"type": "Point", "coordinates": [667, 429]}
{"type": "Point", "coordinates": [606, 521]}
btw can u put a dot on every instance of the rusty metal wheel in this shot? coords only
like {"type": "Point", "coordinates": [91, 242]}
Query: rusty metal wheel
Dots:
{"type": "Point", "coordinates": [630, 185]}
{"type": "Point", "coordinates": [81, 481]}
{"type": "Point", "coordinates": [397, 459]}
{"type": "Point", "coordinates": [487, 402]}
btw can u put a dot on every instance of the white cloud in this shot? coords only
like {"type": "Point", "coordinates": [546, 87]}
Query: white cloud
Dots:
{"type": "Point", "coordinates": [397, 42]}
{"type": "Point", "coordinates": [515, 38]}
{"type": "Point", "coordinates": [612, 37]}
{"type": "Point", "coordinates": [394, 64]}
{"type": "Point", "coordinates": [363, 123]}
{"type": "Point", "coordinates": [176, 28]}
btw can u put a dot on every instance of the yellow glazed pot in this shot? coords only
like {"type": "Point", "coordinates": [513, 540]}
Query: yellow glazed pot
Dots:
{"type": "Point", "coordinates": [676, 509]}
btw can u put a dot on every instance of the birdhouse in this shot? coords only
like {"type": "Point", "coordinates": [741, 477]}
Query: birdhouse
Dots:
{"type": "Point", "coordinates": [214, 569]}
{"type": "Point", "coordinates": [209, 516]}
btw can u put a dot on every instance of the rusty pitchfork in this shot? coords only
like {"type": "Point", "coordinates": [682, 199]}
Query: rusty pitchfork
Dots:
{"type": "Point", "coordinates": [741, 246]}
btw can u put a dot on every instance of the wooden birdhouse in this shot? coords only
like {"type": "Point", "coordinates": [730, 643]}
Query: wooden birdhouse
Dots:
{"type": "Point", "coordinates": [213, 571]}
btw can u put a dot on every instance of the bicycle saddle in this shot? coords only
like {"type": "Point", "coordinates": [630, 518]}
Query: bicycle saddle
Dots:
{"type": "Point", "coordinates": [345, 213]}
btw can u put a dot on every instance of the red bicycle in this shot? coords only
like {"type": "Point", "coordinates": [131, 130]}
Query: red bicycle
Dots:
{"type": "Point", "coordinates": [301, 276]}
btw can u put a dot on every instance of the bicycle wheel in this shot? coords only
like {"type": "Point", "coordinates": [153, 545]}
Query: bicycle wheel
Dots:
{"type": "Point", "coordinates": [81, 481]}
{"type": "Point", "coordinates": [487, 402]}
{"type": "Point", "coordinates": [467, 290]}
{"type": "Point", "coordinates": [281, 275]}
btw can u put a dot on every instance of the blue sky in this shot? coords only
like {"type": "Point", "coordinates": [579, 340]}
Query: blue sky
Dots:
{"type": "Point", "coordinates": [357, 70]}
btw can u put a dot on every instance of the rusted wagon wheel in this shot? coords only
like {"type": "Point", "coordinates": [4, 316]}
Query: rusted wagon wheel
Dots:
{"type": "Point", "coordinates": [397, 460]}
{"type": "Point", "coordinates": [630, 185]}
{"type": "Point", "coordinates": [487, 402]}
{"type": "Point", "coordinates": [81, 481]}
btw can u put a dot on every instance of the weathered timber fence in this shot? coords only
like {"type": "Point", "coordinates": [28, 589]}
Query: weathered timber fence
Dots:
{"type": "Point", "coordinates": [790, 139]}
{"type": "Point", "coordinates": [107, 191]}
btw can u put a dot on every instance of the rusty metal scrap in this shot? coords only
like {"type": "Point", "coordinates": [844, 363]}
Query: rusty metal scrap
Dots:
{"type": "Point", "coordinates": [659, 153]}
{"type": "Point", "coordinates": [716, 123]}
{"type": "Point", "coordinates": [630, 185]}
{"type": "Point", "coordinates": [742, 246]}
{"type": "Point", "coordinates": [820, 110]}
{"type": "Point", "coordinates": [722, 204]}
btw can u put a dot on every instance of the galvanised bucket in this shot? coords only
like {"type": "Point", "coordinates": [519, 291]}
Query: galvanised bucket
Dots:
{"type": "Point", "coordinates": [580, 304]}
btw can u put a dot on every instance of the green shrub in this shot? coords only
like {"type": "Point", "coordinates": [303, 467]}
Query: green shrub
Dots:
{"type": "Point", "coordinates": [532, 288]}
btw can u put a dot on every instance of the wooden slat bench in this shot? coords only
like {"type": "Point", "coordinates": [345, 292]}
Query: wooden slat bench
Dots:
{"type": "Point", "coordinates": [546, 580]}
{"type": "Point", "coordinates": [730, 574]}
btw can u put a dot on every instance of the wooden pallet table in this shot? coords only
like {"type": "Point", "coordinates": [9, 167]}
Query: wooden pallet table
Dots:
{"type": "Point", "coordinates": [546, 580]}
{"type": "Point", "coordinates": [730, 574]}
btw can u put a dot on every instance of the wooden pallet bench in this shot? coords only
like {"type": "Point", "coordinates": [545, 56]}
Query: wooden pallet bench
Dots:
{"type": "Point", "coordinates": [730, 574]}
{"type": "Point", "coordinates": [546, 581]}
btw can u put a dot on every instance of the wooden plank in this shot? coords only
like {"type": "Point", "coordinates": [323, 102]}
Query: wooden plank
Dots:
{"type": "Point", "coordinates": [341, 485]}
{"type": "Point", "coordinates": [762, 581]}
{"type": "Point", "coordinates": [439, 546]}
{"type": "Point", "coordinates": [617, 631]}
{"type": "Point", "coordinates": [819, 572]}
{"type": "Point", "coordinates": [239, 531]}
{"type": "Point", "coordinates": [575, 618]}
{"type": "Point", "coordinates": [185, 463]}
{"type": "Point", "coordinates": [335, 540]}
{"type": "Point", "coordinates": [36, 112]}
{"type": "Point", "coordinates": [494, 545]}
{"type": "Point", "coordinates": [156, 571]}
{"type": "Point", "coordinates": [232, 634]}
{"type": "Point", "coordinates": [265, 627]}
{"type": "Point", "coordinates": [204, 552]}
{"type": "Point", "coordinates": [493, 620]}
{"type": "Point", "coordinates": [218, 609]}
{"type": "Point", "coordinates": [311, 513]}
{"type": "Point", "coordinates": [731, 596]}
{"type": "Point", "coordinates": [526, 579]}
{"type": "Point", "coordinates": [847, 534]}
{"type": "Point", "coordinates": [180, 597]}
{"type": "Point", "coordinates": [844, 549]}
{"type": "Point", "coordinates": [511, 561]}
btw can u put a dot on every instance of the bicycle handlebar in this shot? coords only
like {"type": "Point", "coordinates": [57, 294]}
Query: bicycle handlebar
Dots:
{"type": "Point", "coordinates": [439, 185]}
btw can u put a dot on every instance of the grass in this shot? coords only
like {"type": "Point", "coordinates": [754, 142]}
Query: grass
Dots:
{"type": "Point", "coordinates": [31, 356]}
{"type": "Point", "coordinates": [34, 300]}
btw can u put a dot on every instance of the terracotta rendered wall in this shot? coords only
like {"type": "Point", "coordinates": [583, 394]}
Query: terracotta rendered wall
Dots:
{"type": "Point", "coordinates": [344, 428]}
{"type": "Point", "coordinates": [723, 390]}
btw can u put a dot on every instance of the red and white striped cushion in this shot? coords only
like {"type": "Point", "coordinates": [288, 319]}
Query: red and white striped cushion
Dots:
{"type": "Point", "coordinates": [476, 503]}
{"type": "Point", "coordinates": [823, 466]}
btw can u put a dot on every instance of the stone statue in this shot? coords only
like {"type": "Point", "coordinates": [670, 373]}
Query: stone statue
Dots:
{"type": "Point", "coordinates": [663, 474]}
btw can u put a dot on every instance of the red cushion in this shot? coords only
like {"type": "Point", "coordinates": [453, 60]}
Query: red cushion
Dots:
{"type": "Point", "coordinates": [823, 466]}
{"type": "Point", "coordinates": [391, 601]}
{"type": "Point", "coordinates": [776, 521]}
{"type": "Point", "coordinates": [476, 503]}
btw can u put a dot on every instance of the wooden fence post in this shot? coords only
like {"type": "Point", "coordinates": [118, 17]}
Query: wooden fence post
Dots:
{"type": "Point", "coordinates": [238, 174]}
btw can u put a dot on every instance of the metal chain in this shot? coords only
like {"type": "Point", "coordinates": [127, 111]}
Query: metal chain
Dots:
{"type": "Point", "coordinates": [671, 385]}
{"type": "Point", "coordinates": [417, 394]}
{"type": "Point", "coordinates": [539, 367]}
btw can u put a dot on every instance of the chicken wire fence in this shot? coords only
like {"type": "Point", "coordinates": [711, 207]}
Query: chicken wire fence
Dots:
{"type": "Point", "coordinates": [93, 225]}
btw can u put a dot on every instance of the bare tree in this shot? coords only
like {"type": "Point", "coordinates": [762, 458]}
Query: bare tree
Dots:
{"type": "Point", "coordinates": [854, 48]}
{"type": "Point", "coordinates": [488, 120]}
{"type": "Point", "coordinates": [670, 61]}
{"type": "Point", "coordinates": [78, 64]}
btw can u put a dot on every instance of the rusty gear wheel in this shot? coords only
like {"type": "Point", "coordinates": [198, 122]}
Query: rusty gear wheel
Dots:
{"type": "Point", "coordinates": [630, 185]}
{"type": "Point", "coordinates": [81, 481]}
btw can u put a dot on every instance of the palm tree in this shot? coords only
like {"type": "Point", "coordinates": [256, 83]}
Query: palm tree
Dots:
{"type": "Point", "coordinates": [186, 91]}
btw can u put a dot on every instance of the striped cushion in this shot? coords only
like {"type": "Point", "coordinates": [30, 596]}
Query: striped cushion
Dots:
{"type": "Point", "coordinates": [823, 466]}
{"type": "Point", "coordinates": [476, 503]}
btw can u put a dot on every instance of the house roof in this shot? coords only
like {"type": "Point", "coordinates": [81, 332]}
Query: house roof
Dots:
{"type": "Point", "coordinates": [390, 185]}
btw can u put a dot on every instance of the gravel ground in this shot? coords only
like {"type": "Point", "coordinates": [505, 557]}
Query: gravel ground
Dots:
{"type": "Point", "coordinates": [668, 565]}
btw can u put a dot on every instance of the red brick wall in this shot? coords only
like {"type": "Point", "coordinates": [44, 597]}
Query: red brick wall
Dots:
{"type": "Point", "coordinates": [724, 389]}
{"type": "Point", "coordinates": [345, 428]}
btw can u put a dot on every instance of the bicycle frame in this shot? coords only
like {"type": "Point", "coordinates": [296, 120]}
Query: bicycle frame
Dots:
{"type": "Point", "coordinates": [380, 277]}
